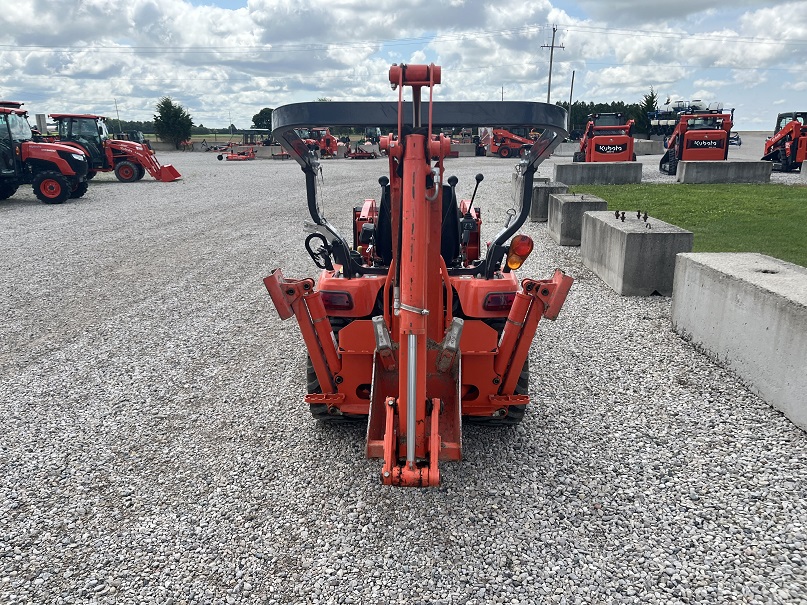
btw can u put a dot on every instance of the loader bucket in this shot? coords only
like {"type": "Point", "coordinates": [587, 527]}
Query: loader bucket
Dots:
{"type": "Point", "coordinates": [168, 173]}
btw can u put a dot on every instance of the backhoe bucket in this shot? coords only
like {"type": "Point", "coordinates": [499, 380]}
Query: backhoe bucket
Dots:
{"type": "Point", "coordinates": [168, 173]}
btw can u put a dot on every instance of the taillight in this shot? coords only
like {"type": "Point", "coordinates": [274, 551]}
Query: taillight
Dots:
{"type": "Point", "coordinates": [520, 249]}
{"type": "Point", "coordinates": [499, 301]}
{"type": "Point", "coordinates": [336, 301]}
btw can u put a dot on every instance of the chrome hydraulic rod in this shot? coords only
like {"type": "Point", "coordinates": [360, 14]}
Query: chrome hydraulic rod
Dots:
{"type": "Point", "coordinates": [411, 398]}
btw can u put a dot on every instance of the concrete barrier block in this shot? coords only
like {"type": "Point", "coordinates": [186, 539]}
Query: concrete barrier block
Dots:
{"type": "Point", "coordinates": [598, 173]}
{"type": "Point", "coordinates": [645, 147]}
{"type": "Point", "coordinates": [566, 212]}
{"type": "Point", "coordinates": [464, 150]}
{"type": "Point", "coordinates": [541, 192]}
{"type": "Point", "coordinates": [515, 182]}
{"type": "Point", "coordinates": [729, 171]}
{"type": "Point", "coordinates": [265, 151]}
{"type": "Point", "coordinates": [749, 312]}
{"type": "Point", "coordinates": [634, 257]}
{"type": "Point", "coordinates": [566, 150]}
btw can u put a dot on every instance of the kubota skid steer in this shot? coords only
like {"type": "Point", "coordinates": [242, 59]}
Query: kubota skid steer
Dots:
{"type": "Point", "coordinates": [697, 137]}
{"type": "Point", "coordinates": [408, 327]}
{"type": "Point", "coordinates": [787, 148]}
{"type": "Point", "coordinates": [608, 138]}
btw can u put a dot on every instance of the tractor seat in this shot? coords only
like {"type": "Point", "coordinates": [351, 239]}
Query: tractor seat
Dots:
{"type": "Point", "coordinates": [450, 235]}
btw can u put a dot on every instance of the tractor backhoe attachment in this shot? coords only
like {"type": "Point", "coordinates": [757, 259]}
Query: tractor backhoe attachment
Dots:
{"type": "Point", "coordinates": [407, 326]}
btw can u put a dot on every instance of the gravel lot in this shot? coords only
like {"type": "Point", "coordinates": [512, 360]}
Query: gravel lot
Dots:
{"type": "Point", "coordinates": [156, 449]}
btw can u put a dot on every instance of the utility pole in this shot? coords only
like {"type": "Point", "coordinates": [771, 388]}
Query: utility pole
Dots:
{"type": "Point", "coordinates": [569, 117]}
{"type": "Point", "coordinates": [551, 48]}
{"type": "Point", "coordinates": [118, 113]}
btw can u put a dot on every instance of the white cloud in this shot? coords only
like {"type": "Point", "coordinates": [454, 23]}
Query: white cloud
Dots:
{"type": "Point", "coordinates": [220, 63]}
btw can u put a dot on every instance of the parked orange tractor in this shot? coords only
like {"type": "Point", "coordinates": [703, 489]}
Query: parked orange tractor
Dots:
{"type": "Point", "coordinates": [319, 139]}
{"type": "Point", "coordinates": [608, 138]}
{"type": "Point", "coordinates": [506, 144]}
{"type": "Point", "coordinates": [787, 148]}
{"type": "Point", "coordinates": [129, 160]}
{"type": "Point", "coordinates": [56, 172]}
{"type": "Point", "coordinates": [697, 137]}
{"type": "Point", "coordinates": [408, 328]}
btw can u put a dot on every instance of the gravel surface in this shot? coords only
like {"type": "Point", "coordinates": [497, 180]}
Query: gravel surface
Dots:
{"type": "Point", "coordinates": [156, 448]}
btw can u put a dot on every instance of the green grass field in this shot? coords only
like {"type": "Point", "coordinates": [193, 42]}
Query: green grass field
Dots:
{"type": "Point", "coordinates": [770, 219]}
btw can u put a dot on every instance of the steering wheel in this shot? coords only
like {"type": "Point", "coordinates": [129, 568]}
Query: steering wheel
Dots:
{"type": "Point", "coordinates": [322, 255]}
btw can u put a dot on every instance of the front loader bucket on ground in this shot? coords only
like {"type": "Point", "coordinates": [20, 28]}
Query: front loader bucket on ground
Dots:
{"type": "Point", "coordinates": [167, 173]}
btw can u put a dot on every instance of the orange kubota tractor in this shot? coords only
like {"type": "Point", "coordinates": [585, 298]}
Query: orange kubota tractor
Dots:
{"type": "Point", "coordinates": [787, 148]}
{"type": "Point", "coordinates": [129, 160]}
{"type": "Point", "coordinates": [507, 144]}
{"type": "Point", "coordinates": [319, 139]}
{"type": "Point", "coordinates": [57, 172]}
{"type": "Point", "coordinates": [608, 138]}
{"type": "Point", "coordinates": [697, 137]}
{"type": "Point", "coordinates": [408, 327]}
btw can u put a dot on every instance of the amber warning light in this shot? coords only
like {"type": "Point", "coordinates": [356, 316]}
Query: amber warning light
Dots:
{"type": "Point", "coordinates": [520, 249]}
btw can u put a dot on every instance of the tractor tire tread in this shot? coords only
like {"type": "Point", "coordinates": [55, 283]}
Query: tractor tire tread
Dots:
{"type": "Point", "coordinates": [40, 178]}
{"type": "Point", "coordinates": [126, 171]}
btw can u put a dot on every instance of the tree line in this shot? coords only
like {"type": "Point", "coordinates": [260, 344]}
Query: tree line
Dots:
{"type": "Point", "coordinates": [580, 110]}
{"type": "Point", "coordinates": [173, 123]}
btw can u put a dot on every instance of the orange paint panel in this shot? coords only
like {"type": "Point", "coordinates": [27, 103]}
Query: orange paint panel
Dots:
{"type": "Point", "coordinates": [472, 293]}
{"type": "Point", "coordinates": [363, 291]}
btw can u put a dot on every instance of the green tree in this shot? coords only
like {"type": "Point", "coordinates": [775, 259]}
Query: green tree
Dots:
{"type": "Point", "coordinates": [263, 119]}
{"type": "Point", "coordinates": [171, 122]}
{"type": "Point", "coordinates": [116, 126]}
{"type": "Point", "coordinates": [649, 104]}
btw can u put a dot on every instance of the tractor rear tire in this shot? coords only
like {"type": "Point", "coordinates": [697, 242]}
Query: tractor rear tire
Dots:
{"type": "Point", "coordinates": [79, 190]}
{"type": "Point", "coordinates": [7, 190]}
{"type": "Point", "coordinates": [126, 172]}
{"type": "Point", "coordinates": [51, 187]}
{"type": "Point", "coordinates": [320, 411]}
{"type": "Point", "coordinates": [505, 152]}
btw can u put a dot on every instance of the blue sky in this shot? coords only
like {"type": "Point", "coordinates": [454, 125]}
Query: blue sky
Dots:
{"type": "Point", "coordinates": [227, 60]}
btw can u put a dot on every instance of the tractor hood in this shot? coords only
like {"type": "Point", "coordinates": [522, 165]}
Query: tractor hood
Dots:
{"type": "Point", "coordinates": [45, 147]}
{"type": "Point", "coordinates": [128, 146]}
